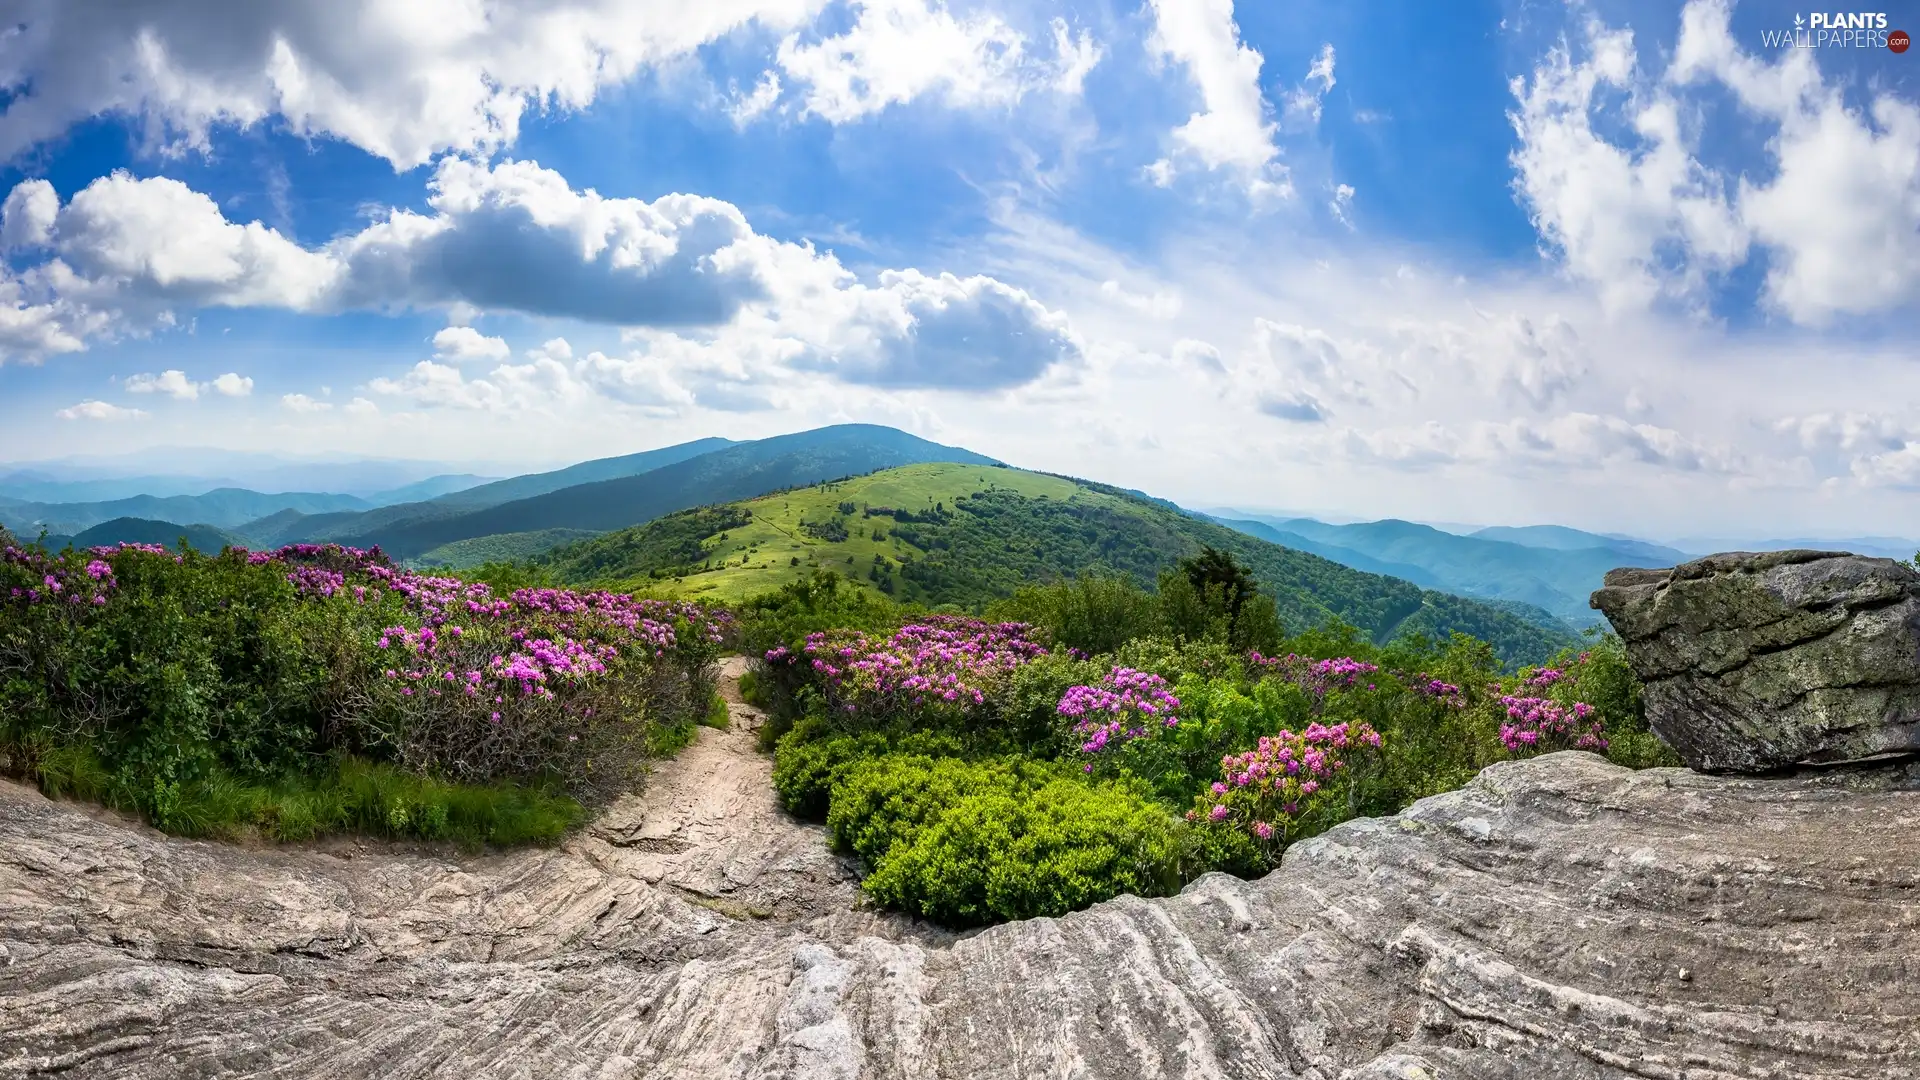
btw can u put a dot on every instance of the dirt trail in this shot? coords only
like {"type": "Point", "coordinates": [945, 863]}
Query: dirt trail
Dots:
{"type": "Point", "coordinates": [707, 823]}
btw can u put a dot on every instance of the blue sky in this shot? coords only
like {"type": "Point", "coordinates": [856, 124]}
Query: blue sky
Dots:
{"type": "Point", "coordinates": [1619, 265]}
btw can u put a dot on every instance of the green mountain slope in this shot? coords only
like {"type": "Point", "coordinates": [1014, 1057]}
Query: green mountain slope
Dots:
{"type": "Point", "coordinates": [587, 472]}
{"type": "Point", "coordinates": [966, 534]}
{"type": "Point", "coordinates": [741, 471]}
{"type": "Point", "coordinates": [433, 487]}
{"type": "Point", "coordinates": [361, 528]}
{"type": "Point", "coordinates": [204, 538]}
{"type": "Point", "coordinates": [500, 547]}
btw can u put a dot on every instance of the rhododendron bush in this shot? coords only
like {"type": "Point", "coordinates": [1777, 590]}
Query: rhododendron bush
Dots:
{"type": "Point", "coordinates": [922, 751]}
{"type": "Point", "coordinates": [174, 667]}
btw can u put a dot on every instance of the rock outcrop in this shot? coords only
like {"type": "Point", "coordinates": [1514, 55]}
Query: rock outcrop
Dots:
{"type": "Point", "coordinates": [1558, 917]}
{"type": "Point", "coordinates": [1753, 662]}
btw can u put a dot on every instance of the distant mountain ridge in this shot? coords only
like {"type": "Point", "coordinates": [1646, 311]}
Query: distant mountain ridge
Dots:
{"type": "Point", "coordinates": [1549, 568]}
{"type": "Point", "coordinates": [670, 479]}
{"type": "Point", "coordinates": [203, 538]}
{"type": "Point", "coordinates": [223, 507]}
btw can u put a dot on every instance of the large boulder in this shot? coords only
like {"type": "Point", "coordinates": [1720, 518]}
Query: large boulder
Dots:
{"type": "Point", "coordinates": [1754, 662]}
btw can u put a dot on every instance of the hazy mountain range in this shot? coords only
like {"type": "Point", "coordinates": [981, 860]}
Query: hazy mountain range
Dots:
{"type": "Point", "coordinates": [461, 518]}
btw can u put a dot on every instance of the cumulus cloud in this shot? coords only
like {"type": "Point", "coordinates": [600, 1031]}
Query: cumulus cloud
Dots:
{"type": "Point", "coordinates": [961, 333]}
{"type": "Point", "coordinates": [98, 410]}
{"type": "Point", "coordinates": [516, 237]}
{"type": "Point", "coordinates": [26, 217]}
{"type": "Point", "coordinates": [899, 50]}
{"type": "Point", "coordinates": [301, 403]}
{"type": "Point", "coordinates": [174, 384]}
{"type": "Point", "coordinates": [462, 343]}
{"type": "Point", "coordinates": [1233, 130]}
{"type": "Point", "coordinates": [1639, 216]}
{"type": "Point", "coordinates": [401, 81]}
{"type": "Point", "coordinates": [233, 384]}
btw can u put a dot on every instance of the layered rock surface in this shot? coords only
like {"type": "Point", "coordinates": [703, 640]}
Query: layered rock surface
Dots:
{"type": "Point", "coordinates": [1560, 917]}
{"type": "Point", "coordinates": [1754, 661]}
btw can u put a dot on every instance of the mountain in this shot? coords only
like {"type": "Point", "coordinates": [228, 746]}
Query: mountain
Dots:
{"type": "Point", "coordinates": [433, 487]}
{"type": "Point", "coordinates": [738, 471]}
{"type": "Point", "coordinates": [36, 485]}
{"type": "Point", "coordinates": [226, 507]}
{"type": "Point", "coordinates": [1880, 547]}
{"type": "Point", "coordinates": [587, 472]}
{"type": "Point", "coordinates": [361, 529]}
{"type": "Point", "coordinates": [190, 470]}
{"type": "Point", "coordinates": [1561, 538]}
{"type": "Point", "coordinates": [1555, 569]}
{"type": "Point", "coordinates": [127, 530]}
{"type": "Point", "coordinates": [965, 534]}
{"type": "Point", "coordinates": [500, 547]}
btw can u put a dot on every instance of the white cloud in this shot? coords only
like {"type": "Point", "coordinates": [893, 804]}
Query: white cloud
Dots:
{"type": "Point", "coordinates": [900, 50]}
{"type": "Point", "coordinates": [149, 244]}
{"type": "Point", "coordinates": [1641, 217]}
{"type": "Point", "coordinates": [462, 343]}
{"type": "Point", "coordinates": [1199, 354]}
{"type": "Point", "coordinates": [1342, 204]}
{"type": "Point", "coordinates": [1233, 130]}
{"type": "Point", "coordinates": [403, 81]}
{"type": "Point", "coordinates": [516, 237]}
{"type": "Point", "coordinates": [745, 109]}
{"type": "Point", "coordinates": [1636, 224]}
{"type": "Point", "coordinates": [98, 410]}
{"type": "Point", "coordinates": [174, 384]}
{"type": "Point", "coordinates": [1304, 102]}
{"type": "Point", "coordinates": [963, 333]}
{"type": "Point", "coordinates": [301, 403]}
{"type": "Point", "coordinates": [1524, 360]}
{"type": "Point", "coordinates": [233, 384]}
{"type": "Point", "coordinates": [362, 407]}
{"type": "Point", "coordinates": [26, 218]}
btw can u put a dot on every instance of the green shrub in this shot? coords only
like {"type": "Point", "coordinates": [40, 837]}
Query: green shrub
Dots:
{"type": "Point", "coordinates": [1091, 613]}
{"type": "Point", "coordinates": [969, 842]}
{"type": "Point", "coordinates": [810, 760]}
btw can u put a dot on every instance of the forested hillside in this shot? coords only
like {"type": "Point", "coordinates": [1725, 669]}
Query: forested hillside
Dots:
{"type": "Point", "coordinates": [965, 535]}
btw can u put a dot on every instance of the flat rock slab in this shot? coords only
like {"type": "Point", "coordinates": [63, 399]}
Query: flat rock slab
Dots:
{"type": "Point", "coordinates": [1754, 662]}
{"type": "Point", "coordinates": [1559, 917]}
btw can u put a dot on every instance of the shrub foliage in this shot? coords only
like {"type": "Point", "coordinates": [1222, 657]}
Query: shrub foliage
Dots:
{"type": "Point", "coordinates": [267, 688]}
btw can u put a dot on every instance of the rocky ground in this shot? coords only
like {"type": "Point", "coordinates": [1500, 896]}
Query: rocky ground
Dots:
{"type": "Point", "coordinates": [1559, 917]}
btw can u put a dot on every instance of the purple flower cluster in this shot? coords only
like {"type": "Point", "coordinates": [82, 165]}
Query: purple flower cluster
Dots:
{"type": "Point", "coordinates": [34, 579]}
{"type": "Point", "coordinates": [1267, 787]}
{"type": "Point", "coordinates": [943, 663]}
{"type": "Point", "coordinates": [1427, 686]}
{"type": "Point", "coordinates": [1126, 705]}
{"type": "Point", "coordinates": [1319, 677]}
{"type": "Point", "coordinates": [1539, 724]}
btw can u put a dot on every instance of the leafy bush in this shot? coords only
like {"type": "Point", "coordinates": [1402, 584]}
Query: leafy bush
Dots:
{"type": "Point", "coordinates": [1050, 778]}
{"type": "Point", "coordinates": [969, 842]}
{"type": "Point", "coordinates": [189, 680]}
{"type": "Point", "coordinates": [810, 760]}
{"type": "Point", "coordinates": [1092, 613]}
